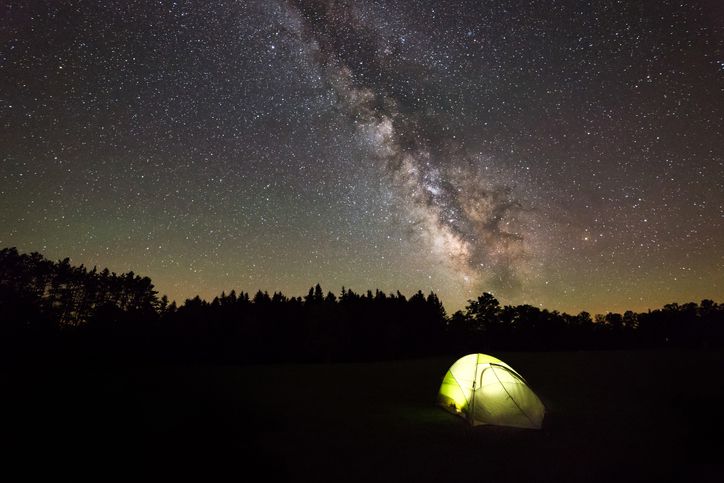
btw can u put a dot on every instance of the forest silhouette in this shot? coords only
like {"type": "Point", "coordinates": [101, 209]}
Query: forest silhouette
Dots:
{"type": "Point", "coordinates": [55, 309]}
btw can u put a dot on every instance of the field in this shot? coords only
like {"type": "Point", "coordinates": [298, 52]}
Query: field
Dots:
{"type": "Point", "coordinates": [611, 416]}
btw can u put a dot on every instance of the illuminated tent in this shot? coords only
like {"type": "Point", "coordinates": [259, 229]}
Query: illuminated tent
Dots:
{"type": "Point", "coordinates": [486, 390]}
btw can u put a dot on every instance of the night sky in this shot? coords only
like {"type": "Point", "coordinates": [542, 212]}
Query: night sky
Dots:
{"type": "Point", "coordinates": [567, 154]}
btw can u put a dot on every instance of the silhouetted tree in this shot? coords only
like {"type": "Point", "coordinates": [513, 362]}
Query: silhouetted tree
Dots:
{"type": "Point", "coordinates": [108, 313]}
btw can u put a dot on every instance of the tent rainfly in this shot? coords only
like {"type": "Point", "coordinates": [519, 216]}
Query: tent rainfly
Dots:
{"type": "Point", "coordinates": [486, 390]}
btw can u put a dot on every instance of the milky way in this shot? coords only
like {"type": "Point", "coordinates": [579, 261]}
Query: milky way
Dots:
{"type": "Point", "coordinates": [466, 220]}
{"type": "Point", "coordinates": [563, 154]}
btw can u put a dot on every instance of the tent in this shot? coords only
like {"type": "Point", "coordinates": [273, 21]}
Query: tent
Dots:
{"type": "Point", "coordinates": [486, 390]}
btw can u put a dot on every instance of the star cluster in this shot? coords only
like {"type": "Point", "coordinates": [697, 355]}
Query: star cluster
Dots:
{"type": "Point", "coordinates": [562, 153]}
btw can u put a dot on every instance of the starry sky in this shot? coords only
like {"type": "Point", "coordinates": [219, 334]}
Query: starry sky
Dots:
{"type": "Point", "coordinates": [566, 154]}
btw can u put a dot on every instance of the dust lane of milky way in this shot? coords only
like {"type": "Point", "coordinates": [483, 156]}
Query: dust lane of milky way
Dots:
{"type": "Point", "coordinates": [562, 153]}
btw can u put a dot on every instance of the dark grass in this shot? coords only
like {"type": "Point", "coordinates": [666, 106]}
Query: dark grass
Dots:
{"type": "Point", "coordinates": [612, 416]}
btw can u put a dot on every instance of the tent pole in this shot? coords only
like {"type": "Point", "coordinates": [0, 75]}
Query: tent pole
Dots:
{"type": "Point", "coordinates": [472, 405]}
{"type": "Point", "coordinates": [472, 397]}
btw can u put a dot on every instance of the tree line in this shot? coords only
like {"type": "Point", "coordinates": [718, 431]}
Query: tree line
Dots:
{"type": "Point", "coordinates": [51, 306]}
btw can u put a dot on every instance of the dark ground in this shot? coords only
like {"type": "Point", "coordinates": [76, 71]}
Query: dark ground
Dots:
{"type": "Point", "coordinates": [612, 416]}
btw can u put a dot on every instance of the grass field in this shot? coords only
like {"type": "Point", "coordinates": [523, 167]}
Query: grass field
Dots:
{"type": "Point", "coordinates": [611, 416]}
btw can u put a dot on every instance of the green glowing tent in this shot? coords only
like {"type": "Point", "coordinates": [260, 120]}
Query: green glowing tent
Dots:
{"type": "Point", "coordinates": [486, 390]}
